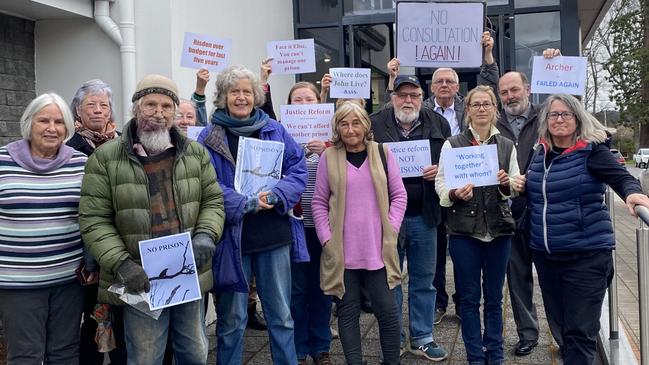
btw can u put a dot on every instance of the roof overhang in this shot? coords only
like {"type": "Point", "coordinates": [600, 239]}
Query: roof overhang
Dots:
{"type": "Point", "coordinates": [47, 9]}
{"type": "Point", "coordinates": [591, 13]}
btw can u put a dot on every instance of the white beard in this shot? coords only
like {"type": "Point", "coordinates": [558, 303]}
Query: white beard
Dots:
{"type": "Point", "coordinates": [155, 141]}
{"type": "Point", "coordinates": [406, 118]}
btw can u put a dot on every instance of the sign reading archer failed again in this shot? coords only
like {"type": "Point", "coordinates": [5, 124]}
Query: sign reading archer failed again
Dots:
{"type": "Point", "coordinates": [477, 165]}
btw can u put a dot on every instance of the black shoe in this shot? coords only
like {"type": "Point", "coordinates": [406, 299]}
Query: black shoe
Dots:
{"type": "Point", "coordinates": [255, 321]}
{"type": "Point", "coordinates": [366, 306]}
{"type": "Point", "coordinates": [525, 347]}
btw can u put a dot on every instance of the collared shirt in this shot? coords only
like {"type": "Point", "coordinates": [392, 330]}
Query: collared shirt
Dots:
{"type": "Point", "coordinates": [516, 122]}
{"type": "Point", "coordinates": [449, 115]}
{"type": "Point", "coordinates": [406, 132]}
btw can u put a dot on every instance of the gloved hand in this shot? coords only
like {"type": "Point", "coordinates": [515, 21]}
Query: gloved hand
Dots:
{"type": "Point", "coordinates": [133, 276]}
{"type": "Point", "coordinates": [204, 247]}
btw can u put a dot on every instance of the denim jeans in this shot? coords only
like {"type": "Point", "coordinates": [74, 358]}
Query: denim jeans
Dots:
{"type": "Point", "coordinates": [272, 270]}
{"type": "Point", "coordinates": [385, 311]}
{"type": "Point", "coordinates": [420, 247]}
{"type": "Point", "coordinates": [573, 285]}
{"type": "Point", "coordinates": [42, 325]}
{"type": "Point", "coordinates": [475, 262]}
{"type": "Point", "coordinates": [146, 338]}
{"type": "Point", "coordinates": [310, 307]}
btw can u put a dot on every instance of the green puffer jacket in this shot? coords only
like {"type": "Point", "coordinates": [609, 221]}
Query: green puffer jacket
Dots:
{"type": "Point", "coordinates": [114, 209]}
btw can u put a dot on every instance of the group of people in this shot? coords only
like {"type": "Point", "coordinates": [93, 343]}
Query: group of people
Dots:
{"type": "Point", "coordinates": [76, 197]}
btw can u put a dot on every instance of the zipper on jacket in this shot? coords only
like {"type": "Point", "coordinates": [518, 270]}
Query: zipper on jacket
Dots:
{"type": "Point", "coordinates": [545, 206]}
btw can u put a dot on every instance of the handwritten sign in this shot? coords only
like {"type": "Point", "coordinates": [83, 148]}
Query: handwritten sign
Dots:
{"type": "Point", "coordinates": [307, 122]}
{"type": "Point", "coordinates": [412, 156]}
{"type": "Point", "coordinates": [439, 34]}
{"type": "Point", "coordinates": [194, 131]}
{"type": "Point", "coordinates": [204, 51]}
{"type": "Point", "coordinates": [292, 57]}
{"type": "Point", "coordinates": [169, 263]}
{"type": "Point", "coordinates": [350, 83]}
{"type": "Point", "coordinates": [477, 165]}
{"type": "Point", "coordinates": [559, 75]}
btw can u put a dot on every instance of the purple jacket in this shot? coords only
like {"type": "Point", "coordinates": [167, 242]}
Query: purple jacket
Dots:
{"type": "Point", "coordinates": [226, 263]}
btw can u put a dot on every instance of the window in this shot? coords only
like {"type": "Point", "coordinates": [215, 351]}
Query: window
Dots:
{"type": "Point", "coordinates": [327, 53]}
{"type": "Point", "coordinates": [318, 11]}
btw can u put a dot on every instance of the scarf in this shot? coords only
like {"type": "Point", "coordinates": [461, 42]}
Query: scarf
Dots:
{"type": "Point", "coordinates": [95, 139]}
{"type": "Point", "coordinates": [22, 155]}
{"type": "Point", "coordinates": [240, 127]}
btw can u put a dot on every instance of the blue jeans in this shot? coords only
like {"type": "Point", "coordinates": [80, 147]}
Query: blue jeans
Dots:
{"type": "Point", "coordinates": [272, 270]}
{"type": "Point", "coordinates": [420, 247]}
{"type": "Point", "coordinates": [310, 307]}
{"type": "Point", "coordinates": [474, 262]}
{"type": "Point", "coordinates": [146, 338]}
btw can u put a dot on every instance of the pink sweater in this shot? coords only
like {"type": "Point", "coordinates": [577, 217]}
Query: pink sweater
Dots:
{"type": "Point", "coordinates": [362, 237]}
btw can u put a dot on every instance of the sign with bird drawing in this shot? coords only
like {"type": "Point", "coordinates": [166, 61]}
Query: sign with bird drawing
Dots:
{"type": "Point", "coordinates": [259, 165]}
{"type": "Point", "coordinates": [169, 263]}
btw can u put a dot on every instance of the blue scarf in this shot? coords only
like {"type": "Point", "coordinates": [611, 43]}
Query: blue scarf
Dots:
{"type": "Point", "coordinates": [240, 127]}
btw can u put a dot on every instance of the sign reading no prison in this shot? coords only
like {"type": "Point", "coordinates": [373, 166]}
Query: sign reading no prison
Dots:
{"type": "Point", "coordinates": [440, 34]}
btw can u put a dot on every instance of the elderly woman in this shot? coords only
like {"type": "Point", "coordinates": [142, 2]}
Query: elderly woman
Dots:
{"type": "Point", "coordinates": [186, 115]}
{"type": "Point", "coordinates": [259, 233]}
{"type": "Point", "coordinates": [40, 180]}
{"type": "Point", "coordinates": [358, 206]}
{"type": "Point", "coordinates": [92, 109]}
{"type": "Point", "coordinates": [480, 227]}
{"type": "Point", "coordinates": [571, 235]}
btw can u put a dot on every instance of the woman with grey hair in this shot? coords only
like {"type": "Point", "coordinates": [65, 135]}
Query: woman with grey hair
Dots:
{"type": "Point", "coordinates": [571, 235]}
{"type": "Point", "coordinates": [92, 108]}
{"type": "Point", "coordinates": [258, 233]}
{"type": "Point", "coordinates": [40, 242]}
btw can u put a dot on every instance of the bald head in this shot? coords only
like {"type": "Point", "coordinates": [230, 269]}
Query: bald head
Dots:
{"type": "Point", "coordinates": [514, 92]}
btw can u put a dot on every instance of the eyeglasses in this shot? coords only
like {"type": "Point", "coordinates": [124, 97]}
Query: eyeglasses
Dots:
{"type": "Point", "coordinates": [563, 115]}
{"type": "Point", "coordinates": [150, 108]}
{"type": "Point", "coordinates": [404, 96]}
{"type": "Point", "coordinates": [444, 81]}
{"type": "Point", "coordinates": [477, 106]}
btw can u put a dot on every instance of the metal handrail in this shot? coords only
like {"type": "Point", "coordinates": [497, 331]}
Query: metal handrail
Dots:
{"type": "Point", "coordinates": [614, 333]}
{"type": "Point", "coordinates": [642, 240]}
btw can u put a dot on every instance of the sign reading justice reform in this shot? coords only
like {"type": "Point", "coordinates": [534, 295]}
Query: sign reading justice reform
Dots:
{"type": "Point", "coordinates": [439, 34]}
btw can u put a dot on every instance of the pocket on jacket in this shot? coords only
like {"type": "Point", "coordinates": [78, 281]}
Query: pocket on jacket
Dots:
{"type": "Point", "coordinates": [462, 218]}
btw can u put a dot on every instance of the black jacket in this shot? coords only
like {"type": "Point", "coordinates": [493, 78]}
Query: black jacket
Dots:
{"type": "Point", "coordinates": [436, 130]}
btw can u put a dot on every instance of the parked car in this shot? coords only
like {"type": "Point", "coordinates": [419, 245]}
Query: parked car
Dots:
{"type": "Point", "coordinates": [641, 158]}
{"type": "Point", "coordinates": [618, 156]}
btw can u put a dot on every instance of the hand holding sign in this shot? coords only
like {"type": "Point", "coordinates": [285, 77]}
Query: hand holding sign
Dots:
{"type": "Point", "coordinates": [202, 79]}
{"type": "Point", "coordinates": [265, 70]}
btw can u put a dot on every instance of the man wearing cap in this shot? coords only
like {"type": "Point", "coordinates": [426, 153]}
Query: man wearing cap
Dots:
{"type": "Point", "coordinates": [405, 120]}
{"type": "Point", "coordinates": [149, 183]}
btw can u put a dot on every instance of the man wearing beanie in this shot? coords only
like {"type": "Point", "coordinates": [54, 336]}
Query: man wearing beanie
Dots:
{"type": "Point", "coordinates": [149, 183]}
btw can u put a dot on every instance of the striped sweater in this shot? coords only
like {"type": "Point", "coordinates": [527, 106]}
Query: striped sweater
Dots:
{"type": "Point", "coordinates": [40, 242]}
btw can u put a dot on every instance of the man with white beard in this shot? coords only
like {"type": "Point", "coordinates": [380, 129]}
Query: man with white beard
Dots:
{"type": "Point", "coordinates": [405, 120]}
{"type": "Point", "coordinates": [149, 183]}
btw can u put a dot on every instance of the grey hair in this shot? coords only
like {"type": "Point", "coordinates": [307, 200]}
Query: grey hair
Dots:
{"type": "Point", "coordinates": [351, 106]}
{"type": "Point", "coordinates": [88, 88]}
{"type": "Point", "coordinates": [230, 76]}
{"type": "Point", "coordinates": [456, 78]}
{"type": "Point", "coordinates": [588, 127]}
{"type": "Point", "coordinates": [188, 101]}
{"type": "Point", "coordinates": [40, 102]}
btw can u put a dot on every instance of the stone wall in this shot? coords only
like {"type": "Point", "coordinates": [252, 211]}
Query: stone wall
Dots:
{"type": "Point", "coordinates": [17, 79]}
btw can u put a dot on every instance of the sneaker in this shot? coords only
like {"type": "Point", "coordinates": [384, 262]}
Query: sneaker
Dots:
{"type": "Point", "coordinates": [439, 315]}
{"type": "Point", "coordinates": [322, 359]}
{"type": "Point", "coordinates": [431, 351]}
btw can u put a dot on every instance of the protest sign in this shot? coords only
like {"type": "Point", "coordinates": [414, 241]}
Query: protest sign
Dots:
{"type": "Point", "coordinates": [259, 165]}
{"type": "Point", "coordinates": [439, 34]}
{"type": "Point", "coordinates": [477, 165]}
{"type": "Point", "coordinates": [306, 122]}
{"type": "Point", "coordinates": [204, 51]}
{"type": "Point", "coordinates": [193, 132]}
{"type": "Point", "coordinates": [559, 75]}
{"type": "Point", "coordinates": [412, 156]}
{"type": "Point", "coordinates": [350, 83]}
{"type": "Point", "coordinates": [169, 263]}
{"type": "Point", "coordinates": [292, 57]}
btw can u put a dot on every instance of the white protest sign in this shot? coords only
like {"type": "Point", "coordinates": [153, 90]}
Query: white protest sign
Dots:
{"type": "Point", "coordinates": [170, 266]}
{"type": "Point", "coordinates": [350, 83]}
{"type": "Point", "coordinates": [194, 131]}
{"type": "Point", "coordinates": [477, 165]}
{"type": "Point", "coordinates": [412, 156]}
{"type": "Point", "coordinates": [559, 75]}
{"type": "Point", "coordinates": [306, 122]}
{"type": "Point", "coordinates": [292, 57]}
{"type": "Point", "coordinates": [439, 34]}
{"type": "Point", "coordinates": [204, 51]}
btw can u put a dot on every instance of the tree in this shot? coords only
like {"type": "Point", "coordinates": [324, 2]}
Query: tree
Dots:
{"type": "Point", "coordinates": [628, 66]}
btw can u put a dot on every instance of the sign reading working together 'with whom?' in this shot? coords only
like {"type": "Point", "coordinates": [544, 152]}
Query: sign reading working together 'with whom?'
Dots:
{"type": "Point", "coordinates": [477, 165]}
{"type": "Point", "coordinates": [204, 51]}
